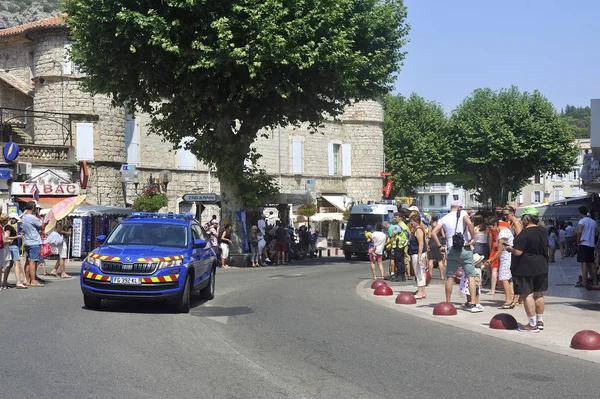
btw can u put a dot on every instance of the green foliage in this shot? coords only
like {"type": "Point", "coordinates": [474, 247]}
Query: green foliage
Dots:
{"type": "Point", "coordinates": [256, 185]}
{"type": "Point", "coordinates": [499, 139]}
{"type": "Point", "coordinates": [414, 135]}
{"type": "Point", "coordinates": [197, 66]}
{"type": "Point", "coordinates": [16, 12]}
{"type": "Point", "coordinates": [307, 210]}
{"type": "Point", "coordinates": [580, 120]}
{"type": "Point", "coordinates": [151, 200]}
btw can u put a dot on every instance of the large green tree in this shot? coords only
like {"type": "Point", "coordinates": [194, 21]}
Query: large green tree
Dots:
{"type": "Point", "coordinates": [414, 135]}
{"type": "Point", "coordinates": [500, 139]}
{"type": "Point", "coordinates": [197, 66]}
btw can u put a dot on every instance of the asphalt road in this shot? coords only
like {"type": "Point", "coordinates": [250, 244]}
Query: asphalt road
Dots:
{"type": "Point", "coordinates": [288, 332]}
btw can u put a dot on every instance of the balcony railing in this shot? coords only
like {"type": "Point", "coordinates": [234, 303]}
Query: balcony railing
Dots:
{"type": "Point", "coordinates": [48, 153]}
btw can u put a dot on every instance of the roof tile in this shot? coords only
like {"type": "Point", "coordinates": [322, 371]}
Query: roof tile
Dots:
{"type": "Point", "coordinates": [51, 22]}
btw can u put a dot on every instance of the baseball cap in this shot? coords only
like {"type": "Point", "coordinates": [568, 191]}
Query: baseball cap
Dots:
{"type": "Point", "coordinates": [413, 208]}
{"type": "Point", "coordinates": [531, 211]}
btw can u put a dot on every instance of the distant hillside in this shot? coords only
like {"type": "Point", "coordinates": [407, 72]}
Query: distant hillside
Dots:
{"type": "Point", "coordinates": [17, 12]}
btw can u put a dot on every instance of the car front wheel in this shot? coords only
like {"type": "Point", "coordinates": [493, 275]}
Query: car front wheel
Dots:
{"type": "Point", "coordinates": [208, 292]}
{"type": "Point", "coordinates": [186, 297]}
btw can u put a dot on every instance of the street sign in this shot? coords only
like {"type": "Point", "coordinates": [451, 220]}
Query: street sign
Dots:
{"type": "Point", "coordinates": [10, 151]}
{"type": "Point", "coordinates": [204, 197]}
{"type": "Point", "coordinates": [386, 173]}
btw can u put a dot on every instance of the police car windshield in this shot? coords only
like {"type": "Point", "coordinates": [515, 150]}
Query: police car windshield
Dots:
{"type": "Point", "coordinates": [359, 221]}
{"type": "Point", "coordinates": [160, 235]}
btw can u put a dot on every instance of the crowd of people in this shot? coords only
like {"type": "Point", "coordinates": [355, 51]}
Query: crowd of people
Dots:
{"type": "Point", "coordinates": [498, 245]}
{"type": "Point", "coordinates": [26, 234]}
{"type": "Point", "coordinates": [270, 242]}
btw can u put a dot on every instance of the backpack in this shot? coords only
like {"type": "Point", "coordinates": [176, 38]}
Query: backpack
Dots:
{"type": "Point", "coordinates": [458, 239]}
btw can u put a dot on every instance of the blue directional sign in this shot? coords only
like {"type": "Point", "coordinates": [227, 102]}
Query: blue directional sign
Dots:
{"type": "Point", "coordinates": [10, 151]}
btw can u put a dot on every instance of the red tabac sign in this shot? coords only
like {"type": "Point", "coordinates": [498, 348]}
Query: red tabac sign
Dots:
{"type": "Point", "coordinates": [44, 189]}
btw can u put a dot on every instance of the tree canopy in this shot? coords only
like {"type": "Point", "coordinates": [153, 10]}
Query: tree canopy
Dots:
{"type": "Point", "coordinates": [499, 139]}
{"type": "Point", "coordinates": [415, 140]}
{"type": "Point", "coordinates": [580, 120]}
{"type": "Point", "coordinates": [198, 66]}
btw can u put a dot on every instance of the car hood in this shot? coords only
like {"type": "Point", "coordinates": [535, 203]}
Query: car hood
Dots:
{"type": "Point", "coordinates": [138, 251]}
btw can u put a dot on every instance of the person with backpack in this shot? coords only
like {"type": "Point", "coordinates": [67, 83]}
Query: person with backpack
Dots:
{"type": "Point", "coordinates": [459, 232]}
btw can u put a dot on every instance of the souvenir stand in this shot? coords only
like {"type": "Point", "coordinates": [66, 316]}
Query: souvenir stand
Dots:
{"type": "Point", "coordinates": [90, 221]}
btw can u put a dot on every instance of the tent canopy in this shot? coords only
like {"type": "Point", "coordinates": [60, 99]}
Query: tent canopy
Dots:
{"type": "Point", "coordinates": [99, 210]}
{"type": "Point", "coordinates": [322, 217]}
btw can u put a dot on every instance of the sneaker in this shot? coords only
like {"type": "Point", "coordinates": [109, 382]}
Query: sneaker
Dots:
{"type": "Point", "coordinates": [474, 309]}
{"type": "Point", "coordinates": [528, 328]}
{"type": "Point", "coordinates": [479, 307]}
{"type": "Point", "coordinates": [540, 325]}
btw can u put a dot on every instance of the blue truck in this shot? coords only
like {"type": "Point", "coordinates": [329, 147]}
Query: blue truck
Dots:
{"type": "Point", "coordinates": [151, 256]}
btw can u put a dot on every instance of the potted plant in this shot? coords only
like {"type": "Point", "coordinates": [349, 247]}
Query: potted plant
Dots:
{"type": "Point", "coordinates": [151, 200]}
{"type": "Point", "coordinates": [307, 210]}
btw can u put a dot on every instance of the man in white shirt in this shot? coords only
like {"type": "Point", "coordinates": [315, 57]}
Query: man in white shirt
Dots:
{"type": "Point", "coordinates": [586, 241]}
{"type": "Point", "coordinates": [458, 221]}
{"type": "Point", "coordinates": [261, 224]}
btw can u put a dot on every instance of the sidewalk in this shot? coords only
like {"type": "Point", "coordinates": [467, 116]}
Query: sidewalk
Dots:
{"type": "Point", "coordinates": [568, 310]}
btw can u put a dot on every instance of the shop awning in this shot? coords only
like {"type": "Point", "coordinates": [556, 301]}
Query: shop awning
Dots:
{"type": "Point", "coordinates": [562, 212]}
{"type": "Point", "coordinates": [4, 173]}
{"type": "Point", "coordinates": [322, 217]}
{"type": "Point", "coordinates": [335, 200]}
{"type": "Point", "coordinates": [44, 202]}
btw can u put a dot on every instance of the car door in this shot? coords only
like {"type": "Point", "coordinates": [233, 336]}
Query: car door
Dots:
{"type": "Point", "coordinates": [203, 257]}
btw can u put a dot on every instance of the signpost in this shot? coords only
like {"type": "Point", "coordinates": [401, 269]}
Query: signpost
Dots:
{"type": "Point", "coordinates": [202, 197]}
{"type": "Point", "coordinates": [386, 174]}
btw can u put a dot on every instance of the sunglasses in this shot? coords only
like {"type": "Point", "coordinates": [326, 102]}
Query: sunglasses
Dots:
{"type": "Point", "coordinates": [506, 214]}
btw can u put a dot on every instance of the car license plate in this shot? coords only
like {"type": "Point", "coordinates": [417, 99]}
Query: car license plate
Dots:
{"type": "Point", "coordinates": [126, 280]}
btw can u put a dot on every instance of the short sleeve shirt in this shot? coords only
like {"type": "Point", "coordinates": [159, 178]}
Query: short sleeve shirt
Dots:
{"type": "Point", "coordinates": [31, 233]}
{"type": "Point", "coordinates": [533, 241]}
{"type": "Point", "coordinates": [588, 231]}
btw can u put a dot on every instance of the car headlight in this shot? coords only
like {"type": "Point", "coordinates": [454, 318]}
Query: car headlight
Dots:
{"type": "Point", "coordinates": [348, 242]}
{"type": "Point", "coordinates": [93, 261]}
{"type": "Point", "coordinates": [170, 263]}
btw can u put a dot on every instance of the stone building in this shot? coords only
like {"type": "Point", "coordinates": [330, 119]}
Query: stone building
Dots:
{"type": "Point", "coordinates": [57, 125]}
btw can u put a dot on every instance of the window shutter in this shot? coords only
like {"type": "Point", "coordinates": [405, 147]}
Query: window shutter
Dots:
{"type": "Point", "coordinates": [346, 160]}
{"type": "Point", "coordinates": [132, 142]}
{"type": "Point", "coordinates": [67, 64]}
{"type": "Point", "coordinates": [185, 158]}
{"type": "Point", "coordinates": [85, 141]}
{"type": "Point", "coordinates": [533, 197]}
{"type": "Point", "coordinates": [297, 161]}
{"type": "Point", "coordinates": [541, 179]}
{"type": "Point", "coordinates": [520, 198]}
{"type": "Point", "coordinates": [330, 161]}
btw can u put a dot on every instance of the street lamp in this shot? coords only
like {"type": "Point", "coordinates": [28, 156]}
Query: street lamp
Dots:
{"type": "Point", "coordinates": [165, 178]}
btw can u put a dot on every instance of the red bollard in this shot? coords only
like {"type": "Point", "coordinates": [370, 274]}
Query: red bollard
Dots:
{"type": "Point", "coordinates": [328, 252]}
{"type": "Point", "coordinates": [336, 251]}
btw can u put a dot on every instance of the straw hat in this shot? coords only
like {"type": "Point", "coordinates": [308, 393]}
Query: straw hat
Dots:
{"type": "Point", "coordinates": [254, 228]}
{"type": "Point", "coordinates": [477, 258]}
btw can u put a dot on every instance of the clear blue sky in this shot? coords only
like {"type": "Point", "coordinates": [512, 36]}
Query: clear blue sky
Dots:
{"type": "Point", "coordinates": [457, 46]}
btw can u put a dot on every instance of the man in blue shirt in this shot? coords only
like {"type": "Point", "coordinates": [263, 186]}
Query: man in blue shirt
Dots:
{"type": "Point", "coordinates": [33, 242]}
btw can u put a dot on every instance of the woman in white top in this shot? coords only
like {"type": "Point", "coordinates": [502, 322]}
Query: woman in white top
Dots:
{"type": "Point", "coordinates": [562, 239]}
{"type": "Point", "coordinates": [504, 239]}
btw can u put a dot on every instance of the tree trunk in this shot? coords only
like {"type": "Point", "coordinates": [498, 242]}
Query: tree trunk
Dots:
{"type": "Point", "coordinates": [230, 205]}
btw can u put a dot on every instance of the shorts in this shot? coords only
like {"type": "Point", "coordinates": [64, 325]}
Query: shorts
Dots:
{"type": "Point", "coordinates": [525, 285]}
{"type": "Point", "coordinates": [224, 251]}
{"type": "Point", "coordinates": [15, 254]}
{"type": "Point", "coordinates": [60, 250]}
{"type": "Point", "coordinates": [280, 247]}
{"type": "Point", "coordinates": [458, 258]}
{"type": "Point", "coordinates": [376, 257]}
{"type": "Point", "coordinates": [585, 254]}
{"type": "Point", "coordinates": [32, 252]}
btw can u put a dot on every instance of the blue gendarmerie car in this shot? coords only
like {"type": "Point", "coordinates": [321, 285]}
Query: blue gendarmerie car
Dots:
{"type": "Point", "coordinates": [160, 256]}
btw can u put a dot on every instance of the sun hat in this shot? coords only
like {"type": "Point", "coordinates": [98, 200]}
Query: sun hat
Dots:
{"type": "Point", "coordinates": [254, 228]}
{"type": "Point", "coordinates": [477, 258]}
{"type": "Point", "coordinates": [457, 203]}
{"type": "Point", "coordinates": [413, 208]}
{"type": "Point", "coordinates": [531, 211]}
{"type": "Point", "coordinates": [13, 215]}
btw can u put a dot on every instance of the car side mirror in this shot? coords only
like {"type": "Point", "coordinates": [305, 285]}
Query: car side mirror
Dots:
{"type": "Point", "coordinates": [198, 243]}
{"type": "Point", "coordinates": [100, 238]}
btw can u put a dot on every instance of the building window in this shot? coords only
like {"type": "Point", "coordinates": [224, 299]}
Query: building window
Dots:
{"type": "Point", "coordinates": [432, 200]}
{"type": "Point", "coordinates": [443, 199]}
{"type": "Point", "coordinates": [84, 141]}
{"type": "Point", "coordinates": [575, 174]}
{"type": "Point", "coordinates": [68, 66]}
{"type": "Point", "coordinates": [185, 158]}
{"type": "Point", "coordinates": [455, 197]}
{"type": "Point", "coordinates": [339, 159]}
{"type": "Point", "coordinates": [297, 157]}
{"type": "Point", "coordinates": [537, 179]}
{"type": "Point", "coordinates": [536, 196]}
{"type": "Point", "coordinates": [558, 195]}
